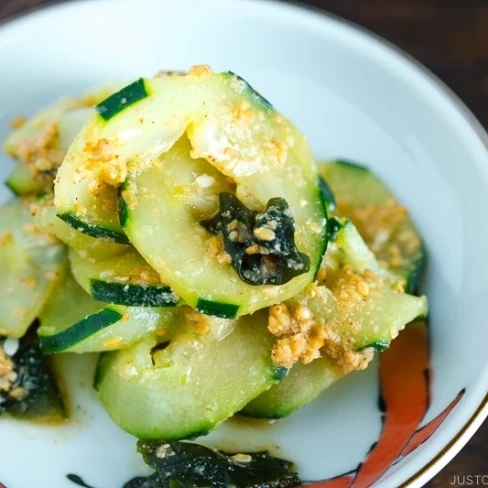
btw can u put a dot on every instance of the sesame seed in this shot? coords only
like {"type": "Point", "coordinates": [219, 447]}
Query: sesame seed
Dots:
{"type": "Point", "coordinates": [11, 346]}
{"type": "Point", "coordinates": [205, 181]}
{"type": "Point", "coordinates": [18, 393]}
{"type": "Point", "coordinates": [241, 458]}
{"type": "Point", "coordinates": [264, 234]}
{"type": "Point", "coordinates": [107, 273]}
{"type": "Point", "coordinates": [112, 343]}
{"type": "Point", "coordinates": [200, 70]}
{"type": "Point", "coordinates": [17, 122]}
{"type": "Point", "coordinates": [363, 288]}
{"type": "Point", "coordinates": [30, 282]}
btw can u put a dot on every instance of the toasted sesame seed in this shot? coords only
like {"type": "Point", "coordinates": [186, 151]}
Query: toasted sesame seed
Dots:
{"type": "Point", "coordinates": [200, 70]}
{"type": "Point", "coordinates": [18, 393]}
{"type": "Point", "coordinates": [30, 282]}
{"type": "Point", "coordinates": [17, 122]}
{"type": "Point", "coordinates": [113, 343]}
{"type": "Point", "coordinates": [253, 249]}
{"type": "Point", "coordinates": [363, 288]}
{"type": "Point", "coordinates": [264, 234]}
{"type": "Point", "coordinates": [241, 458]}
{"type": "Point", "coordinates": [80, 210]}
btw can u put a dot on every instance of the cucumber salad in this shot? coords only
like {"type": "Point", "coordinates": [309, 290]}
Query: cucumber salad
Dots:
{"type": "Point", "coordinates": [181, 228]}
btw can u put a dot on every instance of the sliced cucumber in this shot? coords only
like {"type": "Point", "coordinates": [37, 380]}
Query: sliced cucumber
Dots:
{"type": "Point", "coordinates": [48, 134]}
{"type": "Point", "coordinates": [88, 247]}
{"type": "Point", "coordinates": [238, 133]}
{"type": "Point", "coordinates": [303, 384]}
{"type": "Point", "coordinates": [42, 142]}
{"type": "Point", "coordinates": [22, 183]}
{"type": "Point", "coordinates": [381, 220]}
{"type": "Point", "coordinates": [190, 386]}
{"type": "Point", "coordinates": [37, 165]}
{"type": "Point", "coordinates": [30, 264]}
{"type": "Point", "coordinates": [327, 195]}
{"type": "Point", "coordinates": [194, 270]}
{"type": "Point", "coordinates": [18, 143]}
{"type": "Point", "coordinates": [372, 323]}
{"type": "Point", "coordinates": [104, 222]}
{"type": "Point", "coordinates": [378, 319]}
{"type": "Point", "coordinates": [122, 99]}
{"type": "Point", "coordinates": [124, 280]}
{"type": "Point", "coordinates": [72, 321]}
{"type": "Point", "coordinates": [24, 289]}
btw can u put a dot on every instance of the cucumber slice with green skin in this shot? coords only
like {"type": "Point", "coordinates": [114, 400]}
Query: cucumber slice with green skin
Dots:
{"type": "Point", "coordinates": [86, 246]}
{"type": "Point", "coordinates": [381, 220]}
{"type": "Point", "coordinates": [122, 99]}
{"type": "Point", "coordinates": [183, 253]}
{"type": "Point", "coordinates": [72, 321]}
{"type": "Point", "coordinates": [179, 391]}
{"type": "Point", "coordinates": [22, 183]}
{"type": "Point", "coordinates": [107, 226]}
{"type": "Point", "coordinates": [54, 128]}
{"type": "Point", "coordinates": [30, 266]}
{"type": "Point", "coordinates": [24, 289]}
{"type": "Point", "coordinates": [125, 280]}
{"type": "Point", "coordinates": [41, 145]}
{"type": "Point", "coordinates": [35, 126]}
{"type": "Point", "coordinates": [380, 318]}
{"type": "Point", "coordinates": [327, 195]}
{"type": "Point", "coordinates": [377, 320]}
{"type": "Point", "coordinates": [230, 126]}
{"type": "Point", "coordinates": [302, 385]}
{"type": "Point", "coordinates": [24, 179]}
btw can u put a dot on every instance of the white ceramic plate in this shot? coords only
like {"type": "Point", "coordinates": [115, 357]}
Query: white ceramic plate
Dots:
{"type": "Point", "coordinates": [354, 96]}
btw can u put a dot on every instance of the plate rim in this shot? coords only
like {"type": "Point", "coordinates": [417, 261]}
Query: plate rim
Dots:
{"type": "Point", "coordinates": [430, 467]}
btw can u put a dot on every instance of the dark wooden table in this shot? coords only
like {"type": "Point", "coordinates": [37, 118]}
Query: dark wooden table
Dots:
{"type": "Point", "coordinates": [451, 38]}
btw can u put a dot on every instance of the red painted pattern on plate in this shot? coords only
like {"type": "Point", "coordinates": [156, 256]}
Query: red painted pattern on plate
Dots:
{"type": "Point", "coordinates": [405, 390]}
{"type": "Point", "coordinates": [426, 432]}
{"type": "Point", "coordinates": [405, 393]}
